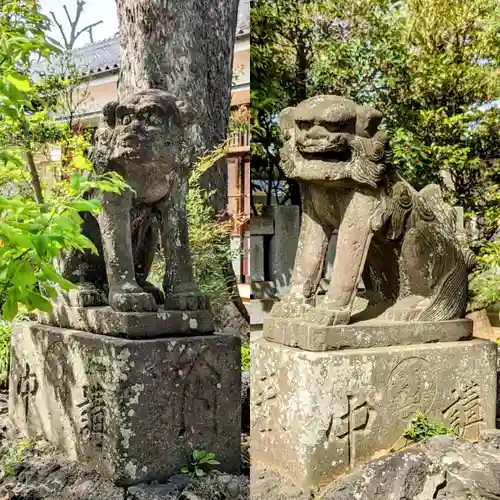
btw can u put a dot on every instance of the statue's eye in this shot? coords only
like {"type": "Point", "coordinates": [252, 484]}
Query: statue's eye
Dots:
{"type": "Point", "coordinates": [126, 119]}
{"type": "Point", "coordinates": [304, 125]}
{"type": "Point", "coordinates": [154, 119]}
{"type": "Point", "coordinates": [334, 127]}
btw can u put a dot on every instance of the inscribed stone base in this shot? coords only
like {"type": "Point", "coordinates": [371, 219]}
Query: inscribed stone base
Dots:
{"type": "Point", "coordinates": [132, 410]}
{"type": "Point", "coordinates": [316, 415]}
{"type": "Point", "coordinates": [133, 325]}
{"type": "Point", "coordinates": [294, 332]}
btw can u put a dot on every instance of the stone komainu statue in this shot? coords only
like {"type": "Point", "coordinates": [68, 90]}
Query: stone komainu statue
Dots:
{"type": "Point", "coordinates": [400, 242]}
{"type": "Point", "coordinates": [145, 138]}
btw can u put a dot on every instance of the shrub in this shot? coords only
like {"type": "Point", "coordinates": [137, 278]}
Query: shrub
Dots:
{"type": "Point", "coordinates": [245, 357]}
{"type": "Point", "coordinates": [5, 334]}
{"type": "Point", "coordinates": [209, 238]}
{"type": "Point", "coordinates": [485, 282]}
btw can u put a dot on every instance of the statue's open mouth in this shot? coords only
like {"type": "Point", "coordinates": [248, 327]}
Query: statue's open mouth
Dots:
{"type": "Point", "coordinates": [329, 156]}
{"type": "Point", "coordinates": [333, 144]}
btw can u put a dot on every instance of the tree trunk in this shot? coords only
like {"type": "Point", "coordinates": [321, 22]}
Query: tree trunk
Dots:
{"type": "Point", "coordinates": [185, 48]}
{"type": "Point", "coordinates": [301, 70]}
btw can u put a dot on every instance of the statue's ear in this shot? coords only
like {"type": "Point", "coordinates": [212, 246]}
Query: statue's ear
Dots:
{"type": "Point", "coordinates": [367, 121]}
{"type": "Point", "coordinates": [287, 122]}
{"type": "Point", "coordinates": [109, 113]}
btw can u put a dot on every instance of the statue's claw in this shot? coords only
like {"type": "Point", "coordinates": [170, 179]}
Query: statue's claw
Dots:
{"type": "Point", "coordinates": [291, 306]}
{"type": "Point", "coordinates": [187, 301]}
{"type": "Point", "coordinates": [130, 298]}
{"type": "Point", "coordinates": [327, 317]}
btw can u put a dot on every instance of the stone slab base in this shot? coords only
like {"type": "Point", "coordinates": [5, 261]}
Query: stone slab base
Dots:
{"type": "Point", "coordinates": [133, 410]}
{"type": "Point", "coordinates": [132, 325]}
{"type": "Point", "coordinates": [314, 416]}
{"type": "Point", "coordinates": [294, 332]}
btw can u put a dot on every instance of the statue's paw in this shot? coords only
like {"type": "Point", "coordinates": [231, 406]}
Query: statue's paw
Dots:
{"type": "Point", "coordinates": [291, 307]}
{"type": "Point", "coordinates": [406, 310]}
{"type": "Point", "coordinates": [130, 298]}
{"type": "Point", "coordinates": [86, 295]}
{"type": "Point", "coordinates": [403, 315]}
{"type": "Point", "coordinates": [327, 317]}
{"type": "Point", "coordinates": [187, 301]}
{"type": "Point", "coordinates": [154, 291]}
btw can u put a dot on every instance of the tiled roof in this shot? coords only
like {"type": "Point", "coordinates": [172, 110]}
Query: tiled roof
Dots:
{"type": "Point", "coordinates": [104, 56]}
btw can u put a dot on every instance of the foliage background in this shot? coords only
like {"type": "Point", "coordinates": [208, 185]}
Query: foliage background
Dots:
{"type": "Point", "coordinates": [431, 66]}
{"type": "Point", "coordinates": [37, 222]}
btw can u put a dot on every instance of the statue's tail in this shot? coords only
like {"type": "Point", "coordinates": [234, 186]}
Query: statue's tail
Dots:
{"type": "Point", "coordinates": [470, 258]}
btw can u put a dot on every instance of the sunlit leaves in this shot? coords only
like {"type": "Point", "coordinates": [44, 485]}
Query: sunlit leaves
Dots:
{"type": "Point", "coordinates": [32, 235]}
{"type": "Point", "coordinates": [426, 64]}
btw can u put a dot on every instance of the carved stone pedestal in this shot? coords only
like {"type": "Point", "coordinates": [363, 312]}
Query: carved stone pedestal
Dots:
{"type": "Point", "coordinates": [295, 332]}
{"type": "Point", "coordinates": [132, 325]}
{"type": "Point", "coordinates": [132, 410]}
{"type": "Point", "coordinates": [315, 415]}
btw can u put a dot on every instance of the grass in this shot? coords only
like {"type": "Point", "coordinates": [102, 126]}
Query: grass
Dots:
{"type": "Point", "coordinates": [420, 429]}
{"type": "Point", "coordinates": [15, 456]}
{"type": "Point", "coordinates": [5, 334]}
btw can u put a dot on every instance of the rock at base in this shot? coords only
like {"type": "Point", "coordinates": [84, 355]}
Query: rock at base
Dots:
{"type": "Point", "coordinates": [316, 415]}
{"type": "Point", "coordinates": [132, 410]}
{"type": "Point", "coordinates": [442, 468]}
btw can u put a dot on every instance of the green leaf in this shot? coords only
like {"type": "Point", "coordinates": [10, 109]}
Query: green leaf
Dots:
{"type": "Point", "coordinates": [50, 291]}
{"type": "Point", "coordinates": [75, 181]}
{"type": "Point", "coordinates": [85, 205]}
{"type": "Point", "coordinates": [51, 274]}
{"type": "Point", "coordinates": [24, 276]}
{"type": "Point", "coordinates": [39, 302]}
{"type": "Point", "coordinates": [199, 472]}
{"type": "Point", "coordinates": [8, 270]}
{"type": "Point", "coordinates": [81, 163]}
{"type": "Point", "coordinates": [41, 243]}
{"type": "Point", "coordinates": [9, 309]}
{"type": "Point", "coordinates": [14, 237]}
{"type": "Point", "coordinates": [20, 81]}
{"type": "Point", "coordinates": [185, 470]}
{"type": "Point", "coordinates": [198, 454]}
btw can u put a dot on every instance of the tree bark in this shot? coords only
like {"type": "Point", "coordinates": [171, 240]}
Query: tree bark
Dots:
{"type": "Point", "coordinates": [185, 48]}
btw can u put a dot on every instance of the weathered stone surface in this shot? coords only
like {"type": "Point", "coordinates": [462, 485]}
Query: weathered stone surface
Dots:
{"type": "Point", "coordinates": [444, 467]}
{"type": "Point", "coordinates": [260, 226]}
{"type": "Point", "coordinates": [132, 325]}
{"type": "Point", "coordinates": [282, 245]}
{"type": "Point", "coordinates": [267, 483]}
{"type": "Point", "coordinates": [297, 333]}
{"type": "Point", "coordinates": [132, 410]}
{"type": "Point", "coordinates": [41, 472]}
{"type": "Point", "coordinates": [315, 415]}
{"type": "Point", "coordinates": [257, 256]}
{"type": "Point", "coordinates": [400, 242]}
{"type": "Point", "coordinates": [482, 327]}
{"type": "Point", "coordinates": [167, 491]}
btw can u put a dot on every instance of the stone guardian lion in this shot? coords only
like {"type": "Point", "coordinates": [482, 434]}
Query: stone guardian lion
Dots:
{"type": "Point", "coordinates": [400, 242]}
